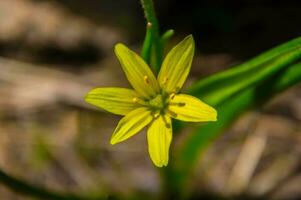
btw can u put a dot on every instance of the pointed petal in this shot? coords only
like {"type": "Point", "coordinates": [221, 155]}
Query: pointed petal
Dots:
{"type": "Point", "coordinates": [131, 124]}
{"type": "Point", "coordinates": [115, 100]}
{"type": "Point", "coordinates": [137, 72]}
{"type": "Point", "coordinates": [189, 108]}
{"type": "Point", "coordinates": [159, 137]}
{"type": "Point", "coordinates": [176, 66]}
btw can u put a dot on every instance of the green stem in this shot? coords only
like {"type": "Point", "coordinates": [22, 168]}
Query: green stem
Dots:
{"type": "Point", "coordinates": [25, 188]}
{"type": "Point", "coordinates": [153, 24]}
{"type": "Point", "coordinates": [147, 44]}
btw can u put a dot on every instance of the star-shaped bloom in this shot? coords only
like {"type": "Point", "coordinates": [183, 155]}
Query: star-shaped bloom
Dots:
{"type": "Point", "coordinates": [153, 101]}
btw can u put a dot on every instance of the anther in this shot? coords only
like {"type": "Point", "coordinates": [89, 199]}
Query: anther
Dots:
{"type": "Point", "coordinates": [156, 115]}
{"type": "Point", "coordinates": [135, 100]}
{"type": "Point", "coordinates": [165, 79]}
{"type": "Point", "coordinates": [149, 24]}
{"type": "Point", "coordinates": [181, 104]}
{"type": "Point", "coordinates": [146, 80]}
{"type": "Point", "coordinates": [173, 114]}
{"type": "Point", "coordinates": [167, 125]}
{"type": "Point", "coordinates": [177, 89]}
{"type": "Point", "coordinates": [172, 95]}
{"type": "Point", "coordinates": [139, 101]}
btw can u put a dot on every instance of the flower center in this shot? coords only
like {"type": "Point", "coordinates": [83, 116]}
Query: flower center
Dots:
{"type": "Point", "coordinates": [159, 103]}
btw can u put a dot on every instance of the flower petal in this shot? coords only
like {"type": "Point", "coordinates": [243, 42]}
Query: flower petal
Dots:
{"type": "Point", "coordinates": [159, 137]}
{"type": "Point", "coordinates": [137, 72]}
{"type": "Point", "coordinates": [115, 100]}
{"type": "Point", "coordinates": [189, 108]}
{"type": "Point", "coordinates": [131, 124]}
{"type": "Point", "coordinates": [176, 66]}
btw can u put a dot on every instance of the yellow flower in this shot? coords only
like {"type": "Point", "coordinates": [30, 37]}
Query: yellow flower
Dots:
{"type": "Point", "coordinates": [154, 101]}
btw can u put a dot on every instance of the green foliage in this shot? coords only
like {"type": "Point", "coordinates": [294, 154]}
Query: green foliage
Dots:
{"type": "Point", "coordinates": [147, 45]}
{"type": "Point", "coordinates": [152, 43]}
{"type": "Point", "coordinates": [233, 92]}
{"type": "Point", "coordinates": [218, 87]}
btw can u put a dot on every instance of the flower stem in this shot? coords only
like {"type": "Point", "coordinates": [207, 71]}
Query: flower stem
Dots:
{"type": "Point", "coordinates": [152, 41]}
{"type": "Point", "coordinates": [147, 44]}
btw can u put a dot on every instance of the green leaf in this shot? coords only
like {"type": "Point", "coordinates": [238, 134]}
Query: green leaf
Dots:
{"type": "Point", "coordinates": [166, 37]}
{"type": "Point", "coordinates": [228, 111]}
{"type": "Point", "coordinates": [232, 92]}
{"type": "Point", "coordinates": [217, 88]}
{"type": "Point", "coordinates": [221, 86]}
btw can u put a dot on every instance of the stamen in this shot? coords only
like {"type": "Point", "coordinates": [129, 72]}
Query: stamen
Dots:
{"type": "Point", "coordinates": [173, 114]}
{"type": "Point", "coordinates": [165, 122]}
{"type": "Point", "coordinates": [139, 101]}
{"type": "Point", "coordinates": [156, 115]}
{"type": "Point", "coordinates": [172, 96]}
{"type": "Point", "coordinates": [177, 89]}
{"type": "Point", "coordinates": [135, 99]}
{"type": "Point", "coordinates": [181, 104]}
{"type": "Point", "coordinates": [165, 79]}
{"type": "Point", "coordinates": [149, 24]}
{"type": "Point", "coordinates": [146, 79]}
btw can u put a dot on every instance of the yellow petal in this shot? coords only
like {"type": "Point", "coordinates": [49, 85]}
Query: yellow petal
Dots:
{"type": "Point", "coordinates": [159, 136]}
{"type": "Point", "coordinates": [189, 108]}
{"type": "Point", "coordinates": [137, 72]}
{"type": "Point", "coordinates": [131, 124]}
{"type": "Point", "coordinates": [115, 100]}
{"type": "Point", "coordinates": [176, 66]}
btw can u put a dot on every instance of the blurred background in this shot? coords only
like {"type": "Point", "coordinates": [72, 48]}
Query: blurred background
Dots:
{"type": "Point", "coordinates": [53, 52]}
